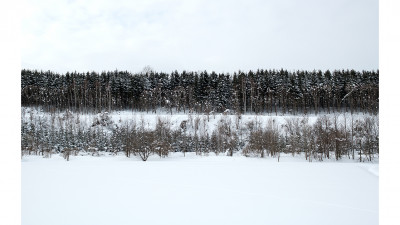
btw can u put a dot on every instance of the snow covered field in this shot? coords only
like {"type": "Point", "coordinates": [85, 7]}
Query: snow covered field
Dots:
{"type": "Point", "coordinates": [206, 123]}
{"type": "Point", "coordinates": [197, 190]}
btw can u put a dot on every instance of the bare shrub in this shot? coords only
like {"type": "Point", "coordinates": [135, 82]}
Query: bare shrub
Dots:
{"type": "Point", "coordinates": [271, 138]}
{"type": "Point", "coordinates": [255, 145]}
{"type": "Point", "coordinates": [322, 131]}
{"type": "Point", "coordinates": [47, 152]}
{"type": "Point", "coordinates": [102, 119]}
{"type": "Point", "coordinates": [66, 152]}
{"type": "Point", "coordinates": [162, 140]}
{"type": "Point", "coordinates": [146, 146]}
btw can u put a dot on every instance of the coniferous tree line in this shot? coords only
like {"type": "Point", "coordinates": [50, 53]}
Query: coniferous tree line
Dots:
{"type": "Point", "coordinates": [260, 91]}
{"type": "Point", "coordinates": [336, 137]}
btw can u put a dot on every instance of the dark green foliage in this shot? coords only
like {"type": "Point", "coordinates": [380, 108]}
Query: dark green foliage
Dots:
{"type": "Point", "coordinates": [254, 92]}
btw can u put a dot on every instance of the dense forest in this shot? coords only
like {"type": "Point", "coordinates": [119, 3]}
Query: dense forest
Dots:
{"type": "Point", "coordinates": [54, 105]}
{"type": "Point", "coordinates": [258, 91]}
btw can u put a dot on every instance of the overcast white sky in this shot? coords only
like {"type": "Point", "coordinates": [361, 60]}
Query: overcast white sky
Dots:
{"type": "Point", "coordinates": [223, 36]}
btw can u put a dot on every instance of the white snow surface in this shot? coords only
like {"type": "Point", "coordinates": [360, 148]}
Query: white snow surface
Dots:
{"type": "Point", "coordinates": [197, 190]}
{"type": "Point", "coordinates": [207, 123]}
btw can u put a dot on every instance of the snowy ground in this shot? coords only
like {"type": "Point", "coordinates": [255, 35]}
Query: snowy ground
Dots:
{"type": "Point", "coordinates": [206, 123]}
{"type": "Point", "coordinates": [197, 190]}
